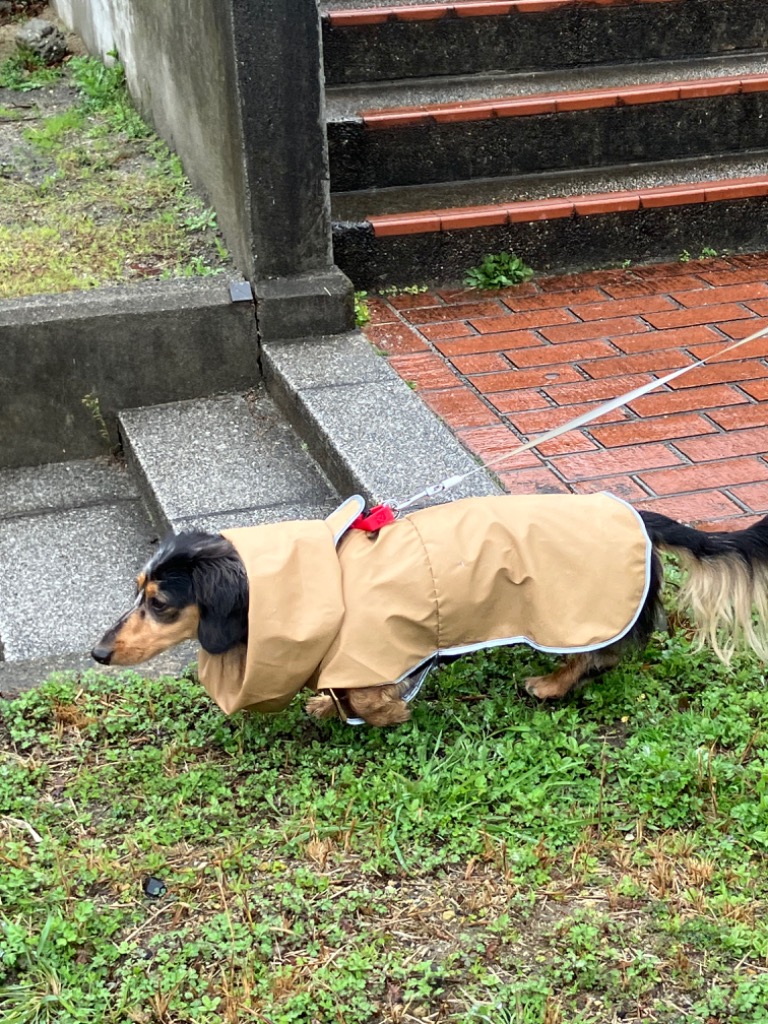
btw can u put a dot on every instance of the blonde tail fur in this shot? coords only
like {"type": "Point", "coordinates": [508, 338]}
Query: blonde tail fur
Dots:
{"type": "Point", "coordinates": [725, 588]}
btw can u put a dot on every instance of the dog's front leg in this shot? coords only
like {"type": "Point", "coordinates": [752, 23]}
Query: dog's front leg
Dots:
{"type": "Point", "coordinates": [376, 705]}
{"type": "Point", "coordinates": [380, 705]}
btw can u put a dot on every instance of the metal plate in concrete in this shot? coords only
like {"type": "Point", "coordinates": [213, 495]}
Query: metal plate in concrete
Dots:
{"type": "Point", "coordinates": [67, 576]}
{"type": "Point", "coordinates": [221, 458]}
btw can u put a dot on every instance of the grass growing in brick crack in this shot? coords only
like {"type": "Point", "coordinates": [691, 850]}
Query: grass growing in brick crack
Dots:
{"type": "Point", "coordinates": [491, 860]}
{"type": "Point", "coordinates": [90, 196]}
{"type": "Point", "coordinates": [503, 270]}
{"type": "Point", "coordinates": [707, 253]}
{"type": "Point", "coordinates": [362, 310]}
{"type": "Point", "coordinates": [395, 290]}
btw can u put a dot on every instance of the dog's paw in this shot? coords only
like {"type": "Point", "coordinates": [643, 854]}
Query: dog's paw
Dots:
{"type": "Point", "coordinates": [321, 706]}
{"type": "Point", "coordinates": [544, 687]}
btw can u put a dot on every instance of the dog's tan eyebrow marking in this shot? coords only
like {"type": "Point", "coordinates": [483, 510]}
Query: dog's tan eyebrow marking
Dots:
{"type": "Point", "coordinates": [141, 580]}
{"type": "Point", "coordinates": [150, 590]}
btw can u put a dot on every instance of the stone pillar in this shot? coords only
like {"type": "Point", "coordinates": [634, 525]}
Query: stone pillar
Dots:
{"type": "Point", "coordinates": [280, 91]}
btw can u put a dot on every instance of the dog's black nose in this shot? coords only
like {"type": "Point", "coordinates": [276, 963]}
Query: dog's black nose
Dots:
{"type": "Point", "coordinates": [102, 654]}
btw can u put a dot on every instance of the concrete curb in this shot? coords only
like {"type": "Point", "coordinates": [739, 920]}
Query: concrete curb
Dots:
{"type": "Point", "coordinates": [367, 430]}
{"type": "Point", "coordinates": [286, 305]}
{"type": "Point", "coordinates": [71, 362]}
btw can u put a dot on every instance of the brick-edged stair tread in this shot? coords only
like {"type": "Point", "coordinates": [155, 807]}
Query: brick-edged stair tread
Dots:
{"type": "Point", "coordinates": [464, 97]}
{"type": "Point", "coordinates": [357, 13]}
{"type": "Point", "coordinates": [584, 205]}
{"type": "Point", "coordinates": [558, 103]}
{"type": "Point", "coordinates": [561, 102]}
{"type": "Point", "coordinates": [418, 41]}
{"type": "Point", "coordinates": [356, 207]}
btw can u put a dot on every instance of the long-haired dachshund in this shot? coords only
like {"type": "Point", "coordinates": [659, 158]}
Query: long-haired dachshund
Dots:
{"type": "Point", "coordinates": [195, 587]}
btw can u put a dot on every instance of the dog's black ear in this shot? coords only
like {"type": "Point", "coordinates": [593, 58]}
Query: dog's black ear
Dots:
{"type": "Point", "coordinates": [221, 591]}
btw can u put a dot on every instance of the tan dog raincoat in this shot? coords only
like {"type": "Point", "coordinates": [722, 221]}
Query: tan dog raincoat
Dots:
{"type": "Point", "coordinates": [562, 573]}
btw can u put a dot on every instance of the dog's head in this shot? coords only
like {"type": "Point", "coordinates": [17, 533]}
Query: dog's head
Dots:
{"type": "Point", "coordinates": [194, 586]}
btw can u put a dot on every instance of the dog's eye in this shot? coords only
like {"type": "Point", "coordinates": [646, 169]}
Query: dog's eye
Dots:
{"type": "Point", "coordinates": [157, 604]}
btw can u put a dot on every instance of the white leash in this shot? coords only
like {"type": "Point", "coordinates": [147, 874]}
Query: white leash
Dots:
{"type": "Point", "coordinates": [453, 481]}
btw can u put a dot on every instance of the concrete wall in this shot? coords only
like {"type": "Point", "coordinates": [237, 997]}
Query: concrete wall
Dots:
{"type": "Point", "coordinates": [149, 343]}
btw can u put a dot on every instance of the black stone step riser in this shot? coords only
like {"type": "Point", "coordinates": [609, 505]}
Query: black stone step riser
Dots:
{"type": "Point", "coordinates": [362, 158]}
{"type": "Point", "coordinates": [564, 38]}
{"type": "Point", "coordinates": [566, 244]}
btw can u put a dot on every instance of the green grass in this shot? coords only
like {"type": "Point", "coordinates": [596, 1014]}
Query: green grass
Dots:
{"type": "Point", "coordinates": [98, 199]}
{"type": "Point", "coordinates": [493, 860]}
{"type": "Point", "coordinates": [9, 114]}
{"type": "Point", "coordinates": [24, 72]}
{"type": "Point", "coordinates": [362, 312]}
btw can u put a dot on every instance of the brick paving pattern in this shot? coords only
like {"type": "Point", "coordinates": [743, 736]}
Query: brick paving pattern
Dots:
{"type": "Point", "coordinates": [499, 367]}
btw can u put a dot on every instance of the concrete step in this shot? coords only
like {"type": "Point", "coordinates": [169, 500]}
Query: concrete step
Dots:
{"type": "Point", "coordinates": [371, 433]}
{"type": "Point", "coordinates": [365, 99]}
{"type": "Point", "coordinates": [228, 461]}
{"type": "Point", "coordinates": [568, 130]}
{"type": "Point", "coordinates": [368, 41]}
{"type": "Point", "coordinates": [555, 222]}
{"type": "Point", "coordinates": [334, 420]}
{"type": "Point", "coordinates": [73, 535]}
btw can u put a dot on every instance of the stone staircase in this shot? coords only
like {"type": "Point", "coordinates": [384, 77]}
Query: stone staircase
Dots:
{"type": "Point", "coordinates": [73, 535]}
{"type": "Point", "coordinates": [574, 133]}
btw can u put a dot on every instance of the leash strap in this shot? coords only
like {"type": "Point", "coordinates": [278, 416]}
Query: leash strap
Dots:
{"type": "Point", "coordinates": [579, 421]}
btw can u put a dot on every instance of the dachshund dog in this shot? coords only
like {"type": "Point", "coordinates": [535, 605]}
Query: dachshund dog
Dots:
{"type": "Point", "coordinates": [195, 587]}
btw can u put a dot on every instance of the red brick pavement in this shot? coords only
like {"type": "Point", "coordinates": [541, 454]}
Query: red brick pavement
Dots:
{"type": "Point", "coordinates": [499, 367]}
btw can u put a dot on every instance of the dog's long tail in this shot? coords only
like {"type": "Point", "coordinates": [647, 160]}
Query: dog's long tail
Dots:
{"type": "Point", "coordinates": [725, 590]}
